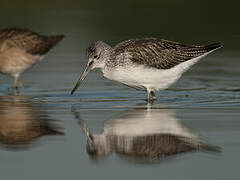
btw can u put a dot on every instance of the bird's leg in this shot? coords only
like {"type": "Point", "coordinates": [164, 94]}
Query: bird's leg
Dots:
{"type": "Point", "coordinates": [153, 95]}
{"type": "Point", "coordinates": [15, 83]}
{"type": "Point", "coordinates": [15, 88]}
{"type": "Point", "coordinates": [148, 96]}
{"type": "Point", "coordinates": [20, 83]}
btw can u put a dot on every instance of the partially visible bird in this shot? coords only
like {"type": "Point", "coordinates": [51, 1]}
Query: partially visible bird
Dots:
{"type": "Point", "coordinates": [148, 64]}
{"type": "Point", "coordinates": [22, 48]}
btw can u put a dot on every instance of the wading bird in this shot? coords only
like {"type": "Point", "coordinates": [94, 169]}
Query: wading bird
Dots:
{"type": "Point", "coordinates": [22, 48]}
{"type": "Point", "coordinates": [145, 64]}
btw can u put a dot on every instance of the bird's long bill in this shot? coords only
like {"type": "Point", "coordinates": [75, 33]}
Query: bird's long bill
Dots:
{"type": "Point", "coordinates": [85, 130]}
{"type": "Point", "coordinates": [82, 77]}
{"type": "Point", "coordinates": [87, 134]}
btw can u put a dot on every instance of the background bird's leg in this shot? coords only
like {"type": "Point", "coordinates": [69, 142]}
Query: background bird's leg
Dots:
{"type": "Point", "coordinates": [153, 95]}
{"type": "Point", "coordinates": [15, 88]}
{"type": "Point", "coordinates": [20, 83]}
{"type": "Point", "coordinates": [15, 82]}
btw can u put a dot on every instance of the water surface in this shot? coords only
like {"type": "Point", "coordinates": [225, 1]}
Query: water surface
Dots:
{"type": "Point", "coordinates": [42, 129]}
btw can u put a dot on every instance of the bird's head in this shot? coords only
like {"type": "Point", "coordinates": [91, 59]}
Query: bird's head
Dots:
{"type": "Point", "coordinates": [97, 147]}
{"type": "Point", "coordinates": [97, 53]}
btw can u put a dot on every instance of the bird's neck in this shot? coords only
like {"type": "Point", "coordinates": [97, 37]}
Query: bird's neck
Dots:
{"type": "Point", "coordinates": [107, 58]}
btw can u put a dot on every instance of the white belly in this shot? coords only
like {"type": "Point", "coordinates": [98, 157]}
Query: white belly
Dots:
{"type": "Point", "coordinates": [143, 77]}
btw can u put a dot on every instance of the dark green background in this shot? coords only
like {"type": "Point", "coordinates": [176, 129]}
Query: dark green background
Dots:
{"type": "Point", "coordinates": [187, 21]}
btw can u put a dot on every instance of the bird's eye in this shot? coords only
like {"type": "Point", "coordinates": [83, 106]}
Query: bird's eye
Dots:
{"type": "Point", "coordinates": [91, 137]}
{"type": "Point", "coordinates": [95, 57]}
{"type": "Point", "coordinates": [91, 62]}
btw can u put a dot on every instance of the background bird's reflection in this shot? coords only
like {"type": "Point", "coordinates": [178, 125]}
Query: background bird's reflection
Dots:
{"type": "Point", "coordinates": [143, 135]}
{"type": "Point", "coordinates": [23, 121]}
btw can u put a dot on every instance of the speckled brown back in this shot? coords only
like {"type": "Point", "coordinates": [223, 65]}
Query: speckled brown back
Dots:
{"type": "Point", "coordinates": [161, 54]}
{"type": "Point", "coordinates": [31, 42]}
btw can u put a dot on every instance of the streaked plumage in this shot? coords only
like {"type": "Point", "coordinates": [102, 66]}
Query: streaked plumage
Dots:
{"type": "Point", "coordinates": [160, 54]}
{"type": "Point", "coordinates": [22, 48]}
{"type": "Point", "coordinates": [145, 64]}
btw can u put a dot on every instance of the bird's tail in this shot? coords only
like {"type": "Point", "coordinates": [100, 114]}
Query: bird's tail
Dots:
{"type": "Point", "coordinates": [210, 148]}
{"type": "Point", "coordinates": [53, 40]}
{"type": "Point", "coordinates": [212, 47]}
{"type": "Point", "coordinates": [52, 131]}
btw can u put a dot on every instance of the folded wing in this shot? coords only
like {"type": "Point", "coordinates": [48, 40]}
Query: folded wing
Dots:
{"type": "Point", "coordinates": [29, 41]}
{"type": "Point", "coordinates": [161, 54]}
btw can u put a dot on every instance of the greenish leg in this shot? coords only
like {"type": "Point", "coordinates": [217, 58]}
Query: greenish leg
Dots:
{"type": "Point", "coordinates": [153, 95]}
{"type": "Point", "coordinates": [15, 82]}
{"type": "Point", "coordinates": [148, 96]}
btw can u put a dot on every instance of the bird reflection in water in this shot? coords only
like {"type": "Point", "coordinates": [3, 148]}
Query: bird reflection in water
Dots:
{"type": "Point", "coordinates": [143, 136]}
{"type": "Point", "coordinates": [23, 121]}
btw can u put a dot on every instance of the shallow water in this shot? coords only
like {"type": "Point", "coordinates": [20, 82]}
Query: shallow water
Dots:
{"type": "Point", "coordinates": [42, 129]}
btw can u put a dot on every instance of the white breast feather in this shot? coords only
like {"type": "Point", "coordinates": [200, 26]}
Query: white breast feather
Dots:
{"type": "Point", "coordinates": [151, 78]}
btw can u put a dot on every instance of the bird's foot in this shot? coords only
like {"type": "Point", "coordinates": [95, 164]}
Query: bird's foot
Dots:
{"type": "Point", "coordinates": [151, 97]}
{"type": "Point", "coordinates": [150, 101]}
{"type": "Point", "coordinates": [154, 97]}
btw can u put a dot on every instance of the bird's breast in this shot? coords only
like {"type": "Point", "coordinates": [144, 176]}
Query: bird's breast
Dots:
{"type": "Point", "coordinates": [142, 77]}
{"type": "Point", "coordinates": [15, 61]}
{"type": "Point", "coordinates": [137, 76]}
